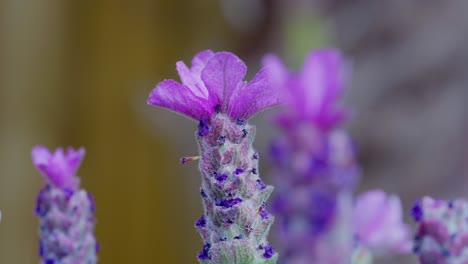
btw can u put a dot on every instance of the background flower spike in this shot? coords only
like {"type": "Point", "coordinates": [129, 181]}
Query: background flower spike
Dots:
{"type": "Point", "coordinates": [313, 161]}
{"type": "Point", "coordinates": [442, 233]}
{"type": "Point", "coordinates": [66, 212]}
{"type": "Point", "coordinates": [235, 224]}
{"type": "Point", "coordinates": [378, 225]}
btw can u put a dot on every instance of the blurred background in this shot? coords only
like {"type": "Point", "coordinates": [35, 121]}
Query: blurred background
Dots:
{"type": "Point", "coordinates": [78, 73]}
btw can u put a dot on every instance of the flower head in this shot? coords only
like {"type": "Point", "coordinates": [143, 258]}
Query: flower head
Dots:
{"type": "Point", "coordinates": [214, 84]}
{"type": "Point", "coordinates": [311, 95]}
{"type": "Point", "coordinates": [378, 223]}
{"type": "Point", "coordinates": [442, 233]}
{"type": "Point", "coordinates": [58, 168]}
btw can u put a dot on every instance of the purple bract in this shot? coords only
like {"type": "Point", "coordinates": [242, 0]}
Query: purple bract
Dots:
{"type": "Point", "coordinates": [378, 223]}
{"type": "Point", "coordinates": [58, 168]}
{"type": "Point", "coordinates": [311, 95]}
{"type": "Point", "coordinates": [214, 84]}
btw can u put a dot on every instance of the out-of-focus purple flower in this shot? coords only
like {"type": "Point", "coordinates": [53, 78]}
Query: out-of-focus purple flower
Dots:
{"type": "Point", "coordinates": [314, 162]}
{"type": "Point", "coordinates": [235, 222]}
{"type": "Point", "coordinates": [66, 213]}
{"type": "Point", "coordinates": [214, 84]}
{"type": "Point", "coordinates": [58, 168]}
{"type": "Point", "coordinates": [442, 234]}
{"type": "Point", "coordinates": [312, 94]}
{"type": "Point", "coordinates": [378, 223]}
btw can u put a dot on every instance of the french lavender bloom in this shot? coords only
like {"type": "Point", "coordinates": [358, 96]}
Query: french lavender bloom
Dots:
{"type": "Point", "coordinates": [314, 161]}
{"type": "Point", "coordinates": [378, 226]}
{"type": "Point", "coordinates": [442, 234]}
{"type": "Point", "coordinates": [66, 212]}
{"type": "Point", "coordinates": [236, 222]}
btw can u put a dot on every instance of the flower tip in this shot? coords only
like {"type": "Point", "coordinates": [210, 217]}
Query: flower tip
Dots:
{"type": "Point", "coordinates": [150, 100]}
{"type": "Point", "coordinates": [40, 155]}
{"type": "Point", "coordinates": [81, 151]}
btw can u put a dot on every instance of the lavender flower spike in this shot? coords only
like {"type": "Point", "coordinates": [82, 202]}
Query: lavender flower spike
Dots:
{"type": "Point", "coordinates": [66, 212]}
{"type": "Point", "coordinates": [442, 234]}
{"type": "Point", "coordinates": [235, 224]}
{"type": "Point", "coordinates": [314, 163]}
{"type": "Point", "coordinates": [378, 225]}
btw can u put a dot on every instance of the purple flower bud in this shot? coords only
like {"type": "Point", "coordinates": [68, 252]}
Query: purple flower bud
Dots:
{"type": "Point", "coordinates": [203, 127]}
{"type": "Point", "coordinates": [66, 213]}
{"type": "Point", "coordinates": [228, 203]}
{"type": "Point", "coordinates": [268, 251]}
{"type": "Point", "coordinates": [238, 171]}
{"type": "Point", "coordinates": [201, 222]}
{"type": "Point", "coordinates": [220, 177]}
{"type": "Point", "coordinates": [261, 185]}
{"type": "Point", "coordinates": [205, 253]}
{"type": "Point", "coordinates": [264, 213]}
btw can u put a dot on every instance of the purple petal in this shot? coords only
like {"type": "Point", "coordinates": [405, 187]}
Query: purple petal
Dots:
{"type": "Point", "coordinates": [254, 97]}
{"type": "Point", "coordinates": [199, 61]}
{"type": "Point", "coordinates": [60, 173]}
{"type": "Point", "coordinates": [179, 98]}
{"type": "Point", "coordinates": [192, 77]}
{"type": "Point", "coordinates": [191, 80]}
{"type": "Point", "coordinates": [41, 156]}
{"type": "Point", "coordinates": [279, 72]}
{"type": "Point", "coordinates": [378, 222]}
{"type": "Point", "coordinates": [322, 79]}
{"type": "Point", "coordinates": [58, 168]}
{"type": "Point", "coordinates": [222, 75]}
{"type": "Point", "coordinates": [74, 159]}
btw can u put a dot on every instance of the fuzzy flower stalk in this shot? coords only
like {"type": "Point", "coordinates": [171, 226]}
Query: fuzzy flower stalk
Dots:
{"type": "Point", "coordinates": [442, 233]}
{"type": "Point", "coordinates": [66, 212]}
{"type": "Point", "coordinates": [235, 224]}
{"type": "Point", "coordinates": [313, 161]}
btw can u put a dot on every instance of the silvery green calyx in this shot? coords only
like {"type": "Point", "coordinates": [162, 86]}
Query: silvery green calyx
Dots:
{"type": "Point", "coordinates": [235, 224]}
{"type": "Point", "coordinates": [66, 212]}
{"type": "Point", "coordinates": [442, 233]}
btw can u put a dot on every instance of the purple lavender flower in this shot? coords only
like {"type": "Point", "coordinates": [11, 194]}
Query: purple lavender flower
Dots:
{"type": "Point", "coordinates": [442, 234]}
{"type": "Point", "coordinates": [314, 163]}
{"type": "Point", "coordinates": [66, 213]}
{"type": "Point", "coordinates": [378, 223]}
{"type": "Point", "coordinates": [214, 84]}
{"type": "Point", "coordinates": [311, 95]}
{"type": "Point", "coordinates": [234, 228]}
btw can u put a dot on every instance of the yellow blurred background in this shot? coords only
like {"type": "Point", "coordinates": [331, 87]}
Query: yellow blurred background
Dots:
{"type": "Point", "coordinates": [78, 73]}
